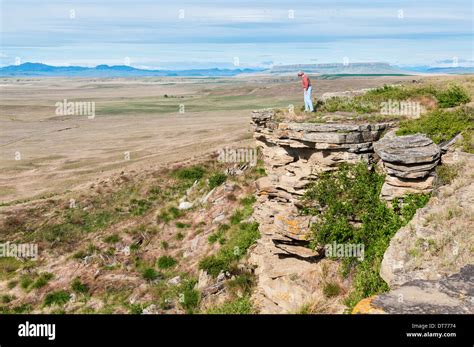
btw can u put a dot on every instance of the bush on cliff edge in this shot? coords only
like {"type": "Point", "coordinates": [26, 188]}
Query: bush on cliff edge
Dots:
{"type": "Point", "coordinates": [350, 211]}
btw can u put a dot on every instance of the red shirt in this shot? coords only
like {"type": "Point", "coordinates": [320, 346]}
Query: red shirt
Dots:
{"type": "Point", "coordinates": [305, 82]}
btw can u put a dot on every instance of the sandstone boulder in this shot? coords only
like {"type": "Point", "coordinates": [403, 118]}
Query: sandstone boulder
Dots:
{"type": "Point", "coordinates": [409, 162]}
{"type": "Point", "coordinates": [409, 149]}
{"type": "Point", "coordinates": [449, 295]}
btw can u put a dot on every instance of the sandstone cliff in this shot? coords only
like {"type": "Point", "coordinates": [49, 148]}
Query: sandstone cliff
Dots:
{"type": "Point", "coordinates": [289, 273]}
{"type": "Point", "coordinates": [435, 245]}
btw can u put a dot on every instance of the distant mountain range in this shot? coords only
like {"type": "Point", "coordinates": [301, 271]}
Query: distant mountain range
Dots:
{"type": "Point", "coordinates": [352, 68]}
{"type": "Point", "coordinates": [38, 69]}
{"type": "Point", "coordinates": [43, 70]}
{"type": "Point", "coordinates": [369, 68]}
{"type": "Point", "coordinates": [443, 70]}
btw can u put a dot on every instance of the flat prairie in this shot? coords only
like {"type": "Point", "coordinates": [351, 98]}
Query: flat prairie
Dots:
{"type": "Point", "coordinates": [139, 123]}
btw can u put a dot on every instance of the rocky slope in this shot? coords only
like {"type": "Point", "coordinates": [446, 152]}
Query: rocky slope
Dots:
{"type": "Point", "coordinates": [131, 243]}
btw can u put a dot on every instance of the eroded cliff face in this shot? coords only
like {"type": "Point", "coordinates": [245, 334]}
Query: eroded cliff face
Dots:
{"type": "Point", "coordinates": [290, 274]}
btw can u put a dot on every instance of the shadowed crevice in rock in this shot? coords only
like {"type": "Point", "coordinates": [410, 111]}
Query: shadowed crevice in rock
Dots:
{"type": "Point", "coordinates": [297, 249]}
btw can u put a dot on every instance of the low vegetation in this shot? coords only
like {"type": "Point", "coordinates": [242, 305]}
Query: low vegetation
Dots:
{"type": "Point", "coordinates": [349, 211]}
{"type": "Point", "coordinates": [166, 262]}
{"type": "Point", "coordinates": [447, 173]}
{"type": "Point", "coordinates": [331, 289]}
{"type": "Point", "coordinates": [59, 298]}
{"type": "Point", "coordinates": [78, 287]}
{"type": "Point", "coordinates": [370, 102]}
{"type": "Point", "coordinates": [240, 239]}
{"type": "Point", "coordinates": [216, 180]}
{"type": "Point", "coordinates": [237, 306]}
{"type": "Point", "coordinates": [442, 125]}
{"type": "Point", "coordinates": [219, 234]}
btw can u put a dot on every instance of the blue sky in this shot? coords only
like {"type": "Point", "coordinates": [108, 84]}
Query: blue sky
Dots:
{"type": "Point", "coordinates": [190, 34]}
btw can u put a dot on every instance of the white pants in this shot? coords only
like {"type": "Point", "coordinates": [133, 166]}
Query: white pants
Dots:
{"type": "Point", "coordinates": [308, 103]}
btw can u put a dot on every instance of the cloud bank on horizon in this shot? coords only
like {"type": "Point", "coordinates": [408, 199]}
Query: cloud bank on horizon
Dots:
{"type": "Point", "coordinates": [259, 33]}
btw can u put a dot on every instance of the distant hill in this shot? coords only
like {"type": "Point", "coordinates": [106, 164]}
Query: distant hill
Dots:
{"type": "Point", "coordinates": [341, 69]}
{"type": "Point", "coordinates": [442, 70]}
{"type": "Point", "coordinates": [38, 69]}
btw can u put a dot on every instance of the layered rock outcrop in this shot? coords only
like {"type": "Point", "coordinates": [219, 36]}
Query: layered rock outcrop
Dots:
{"type": "Point", "coordinates": [409, 162]}
{"type": "Point", "coordinates": [294, 153]}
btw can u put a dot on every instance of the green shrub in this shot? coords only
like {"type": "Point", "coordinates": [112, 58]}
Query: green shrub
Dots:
{"type": "Point", "coordinates": [190, 174]}
{"type": "Point", "coordinates": [243, 282]}
{"type": "Point", "coordinates": [213, 265]}
{"type": "Point", "coordinates": [216, 180]}
{"type": "Point", "coordinates": [79, 287]}
{"type": "Point", "coordinates": [42, 280]}
{"type": "Point", "coordinates": [12, 284]}
{"type": "Point", "coordinates": [440, 125]}
{"type": "Point", "coordinates": [136, 308]}
{"type": "Point", "coordinates": [234, 249]}
{"type": "Point", "coordinates": [114, 238]}
{"type": "Point", "coordinates": [150, 274]}
{"type": "Point", "coordinates": [398, 93]}
{"type": "Point", "coordinates": [169, 215]}
{"type": "Point", "coordinates": [352, 194]}
{"type": "Point", "coordinates": [218, 236]}
{"type": "Point", "coordinates": [139, 207]}
{"type": "Point", "coordinates": [175, 212]}
{"type": "Point", "coordinates": [26, 281]}
{"type": "Point", "coordinates": [248, 200]}
{"type": "Point", "coordinates": [60, 297]}
{"type": "Point", "coordinates": [165, 262]}
{"type": "Point", "coordinates": [181, 225]}
{"type": "Point", "coordinates": [237, 217]}
{"type": "Point", "coordinates": [189, 297]}
{"type": "Point", "coordinates": [243, 213]}
{"type": "Point", "coordinates": [20, 309]}
{"type": "Point", "coordinates": [238, 306]}
{"type": "Point", "coordinates": [453, 96]}
{"type": "Point", "coordinates": [331, 289]}
{"type": "Point", "coordinates": [5, 299]}
{"type": "Point", "coordinates": [8, 266]}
